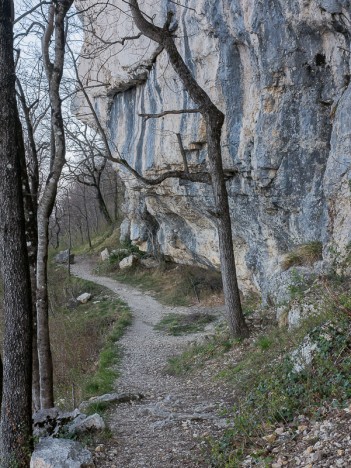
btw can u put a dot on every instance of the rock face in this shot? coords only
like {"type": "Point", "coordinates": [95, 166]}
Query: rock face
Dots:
{"type": "Point", "coordinates": [280, 71]}
{"type": "Point", "coordinates": [54, 453]}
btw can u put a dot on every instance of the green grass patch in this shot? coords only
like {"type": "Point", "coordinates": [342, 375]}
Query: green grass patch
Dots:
{"type": "Point", "coordinates": [98, 407]}
{"type": "Point", "coordinates": [103, 379]}
{"type": "Point", "coordinates": [172, 284]}
{"type": "Point", "coordinates": [179, 324]}
{"type": "Point", "coordinates": [251, 303]}
{"type": "Point", "coordinates": [83, 337]}
{"type": "Point", "coordinates": [270, 390]}
{"type": "Point", "coordinates": [198, 354]}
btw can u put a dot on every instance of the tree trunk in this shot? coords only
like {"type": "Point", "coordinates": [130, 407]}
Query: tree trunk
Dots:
{"type": "Point", "coordinates": [44, 348]}
{"type": "Point", "coordinates": [86, 217]}
{"type": "Point", "coordinates": [102, 205]}
{"type": "Point", "coordinates": [214, 120]}
{"type": "Point", "coordinates": [56, 28]}
{"type": "Point", "coordinates": [30, 212]}
{"type": "Point", "coordinates": [16, 424]}
{"type": "Point", "coordinates": [30, 183]}
{"type": "Point", "coordinates": [116, 197]}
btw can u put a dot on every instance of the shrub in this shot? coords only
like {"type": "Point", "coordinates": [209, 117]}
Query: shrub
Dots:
{"type": "Point", "coordinates": [305, 254]}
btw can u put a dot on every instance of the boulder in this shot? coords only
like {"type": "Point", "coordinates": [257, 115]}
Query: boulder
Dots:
{"type": "Point", "coordinates": [128, 262]}
{"type": "Point", "coordinates": [86, 424]}
{"type": "Point", "coordinates": [105, 255]}
{"type": "Point", "coordinates": [84, 298]}
{"type": "Point", "coordinates": [64, 256]}
{"type": "Point", "coordinates": [111, 398]}
{"type": "Point", "coordinates": [50, 422]}
{"type": "Point", "coordinates": [55, 453]}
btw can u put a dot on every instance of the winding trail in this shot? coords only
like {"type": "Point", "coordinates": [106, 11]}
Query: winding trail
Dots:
{"type": "Point", "coordinates": [166, 428]}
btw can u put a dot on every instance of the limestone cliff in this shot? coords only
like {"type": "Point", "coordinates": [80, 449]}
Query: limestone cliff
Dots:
{"type": "Point", "coordinates": [280, 71]}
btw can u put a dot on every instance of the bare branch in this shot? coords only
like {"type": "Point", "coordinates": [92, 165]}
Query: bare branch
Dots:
{"type": "Point", "coordinates": [168, 112]}
{"type": "Point", "coordinates": [28, 12]}
{"type": "Point", "coordinates": [201, 177]}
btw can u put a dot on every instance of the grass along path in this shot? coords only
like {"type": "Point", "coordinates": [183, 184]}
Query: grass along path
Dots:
{"type": "Point", "coordinates": [166, 428]}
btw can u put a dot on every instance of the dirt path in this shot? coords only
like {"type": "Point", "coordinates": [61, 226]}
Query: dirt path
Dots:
{"type": "Point", "coordinates": [167, 427]}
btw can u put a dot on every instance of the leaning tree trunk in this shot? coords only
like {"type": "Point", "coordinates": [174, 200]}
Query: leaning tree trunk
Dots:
{"type": "Point", "coordinates": [55, 29]}
{"type": "Point", "coordinates": [30, 184]}
{"type": "Point", "coordinates": [102, 205]}
{"type": "Point", "coordinates": [214, 120]}
{"type": "Point", "coordinates": [16, 427]}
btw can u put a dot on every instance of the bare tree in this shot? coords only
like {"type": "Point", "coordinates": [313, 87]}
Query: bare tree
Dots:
{"type": "Point", "coordinates": [55, 31]}
{"type": "Point", "coordinates": [89, 162]}
{"type": "Point", "coordinates": [16, 425]}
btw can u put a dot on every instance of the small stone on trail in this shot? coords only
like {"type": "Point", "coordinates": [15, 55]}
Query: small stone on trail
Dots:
{"type": "Point", "coordinates": [270, 438]}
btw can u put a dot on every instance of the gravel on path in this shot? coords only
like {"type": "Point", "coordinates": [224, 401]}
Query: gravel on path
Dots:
{"type": "Point", "coordinates": [167, 427]}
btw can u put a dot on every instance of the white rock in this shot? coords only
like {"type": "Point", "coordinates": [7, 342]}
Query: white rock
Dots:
{"type": "Point", "coordinates": [84, 298]}
{"type": "Point", "coordinates": [303, 355]}
{"type": "Point", "coordinates": [91, 423]}
{"type": "Point", "coordinates": [105, 255]}
{"type": "Point", "coordinates": [128, 262]}
{"type": "Point", "coordinates": [55, 453]}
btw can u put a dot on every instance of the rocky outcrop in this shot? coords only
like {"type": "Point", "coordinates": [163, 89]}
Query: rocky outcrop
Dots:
{"type": "Point", "coordinates": [280, 71]}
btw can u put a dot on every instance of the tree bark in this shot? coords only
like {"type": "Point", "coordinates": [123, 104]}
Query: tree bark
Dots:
{"type": "Point", "coordinates": [102, 205]}
{"type": "Point", "coordinates": [56, 29]}
{"type": "Point", "coordinates": [16, 424]}
{"type": "Point", "coordinates": [214, 120]}
{"type": "Point", "coordinates": [30, 183]}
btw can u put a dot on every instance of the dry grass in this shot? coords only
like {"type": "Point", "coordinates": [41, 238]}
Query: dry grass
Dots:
{"type": "Point", "coordinates": [83, 338]}
{"type": "Point", "coordinates": [174, 284]}
{"type": "Point", "coordinates": [305, 254]}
